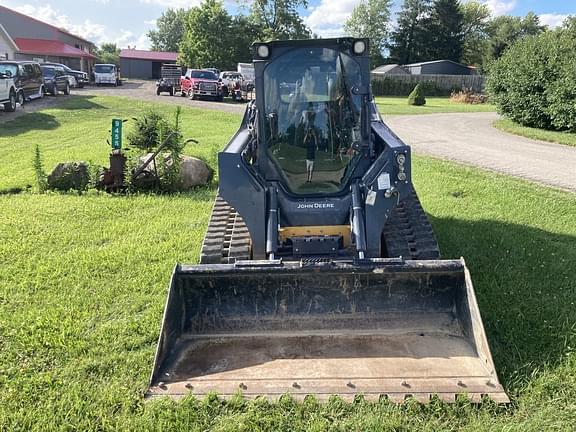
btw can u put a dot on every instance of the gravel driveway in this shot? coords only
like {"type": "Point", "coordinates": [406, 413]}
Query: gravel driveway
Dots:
{"type": "Point", "coordinates": [146, 91]}
{"type": "Point", "coordinates": [471, 138]}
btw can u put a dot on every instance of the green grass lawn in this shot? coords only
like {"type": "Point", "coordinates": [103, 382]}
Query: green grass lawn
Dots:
{"type": "Point", "coordinates": [83, 282]}
{"type": "Point", "coordinates": [399, 105]}
{"type": "Point", "coordinates": [566, 138]}
{"type": "Point", "coordinates": [77, 129]}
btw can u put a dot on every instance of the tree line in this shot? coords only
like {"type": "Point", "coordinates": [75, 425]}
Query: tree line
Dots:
{"type": "Point", "coordinates": [208, 35]}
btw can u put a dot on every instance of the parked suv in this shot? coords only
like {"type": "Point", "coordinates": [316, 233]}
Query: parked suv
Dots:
{"type": "Point", "coordinates": [201, 83]}
{"type": "Point", "coordinates": [27, 77]}
{"type": "Point", "coordinates": [55, 80]}
{"type": "Point", "coordinates": [9, 95]}
{"type": "Point", "coordinates": [77, 78]}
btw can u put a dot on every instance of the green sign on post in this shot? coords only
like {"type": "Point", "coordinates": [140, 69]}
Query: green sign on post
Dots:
{"type": "Point", "coordinates": [116, 134]}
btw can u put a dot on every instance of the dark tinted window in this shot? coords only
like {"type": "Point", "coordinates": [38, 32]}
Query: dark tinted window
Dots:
{"type": "Point", "coordinates": [204, 75]}
{"type": "Point", "coordinates": [28, 70]}
{"type": "Point", "coordinates": [48, 71]}
{"type": "Point", "coordinates": [103, 69]}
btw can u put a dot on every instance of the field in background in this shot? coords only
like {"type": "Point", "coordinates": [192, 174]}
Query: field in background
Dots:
{"type": "Point", "coordinates": [83, 283]}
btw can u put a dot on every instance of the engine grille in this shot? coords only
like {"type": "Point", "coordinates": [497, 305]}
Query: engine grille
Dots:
{"type": "Point", "coordinates": [208, 86]}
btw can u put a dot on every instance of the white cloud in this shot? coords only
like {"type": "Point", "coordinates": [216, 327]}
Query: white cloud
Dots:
{"type": "Point", "coordinates": [500, 7]}
{"type": "Point", "coordinates": [94, 32]}
{"type": "Point", "coordinates": [553, 20]}
{"type": "Point", "coordinates": [328, 18]}
{"type": "Point", "coordinates": [173, 3]}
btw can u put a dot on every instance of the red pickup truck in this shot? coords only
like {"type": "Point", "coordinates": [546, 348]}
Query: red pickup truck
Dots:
{"type": "Point", "coordinates": [198, 83]}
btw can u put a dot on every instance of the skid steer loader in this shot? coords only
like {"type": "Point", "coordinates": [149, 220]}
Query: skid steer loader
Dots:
{"type": "Point", "coordinates": [320, 273]}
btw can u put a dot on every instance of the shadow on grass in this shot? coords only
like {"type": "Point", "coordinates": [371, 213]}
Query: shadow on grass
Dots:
{"type": "Point", "coordinates": [80, 102]}
{"type": "Point", "coordinates": [29, 122]}
{"type": "Point", "coordinates": [43, 121]}
{"type": "Point", "coordinates": [525, 289]}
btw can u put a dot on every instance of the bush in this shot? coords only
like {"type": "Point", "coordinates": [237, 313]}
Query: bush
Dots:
{"type": "Point", "coordinates": [533, 82]}
{"type": "Point", "coordinates": [468, 96]}
{"type": "Point", "coordinates": [389, 86]}
{"type": "Point", "coordinates": [41, 177]}
{"type": "Point", "coordinates": [417, 96]}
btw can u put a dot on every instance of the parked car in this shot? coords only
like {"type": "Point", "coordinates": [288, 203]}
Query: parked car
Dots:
{"type": "Point", "coordinates": [77, 78]}
{"type": "Point", "coordinates": [107, 74]}
{"type": "Point", "coordinates": [9, 95]}
{"type": "Point", "coordinates": [229, 78]}
{"type": "Point", "coordinates": [199, 83]}
{"type": "Point", "coordinates": [55, 80]}
{"type": "Point", "coordinates": [27, 77]}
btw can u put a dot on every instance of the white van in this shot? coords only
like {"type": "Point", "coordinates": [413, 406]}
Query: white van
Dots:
{"type": "Point", "coordinates": [107, 74]}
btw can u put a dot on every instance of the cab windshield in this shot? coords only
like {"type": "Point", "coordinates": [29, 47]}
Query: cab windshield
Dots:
{"type": "Point", "coordinates": [104, 69]}
{"type": "Point", "coordinates": [313, 118]}
{"type": "Point", "coordinates": [204, 75]}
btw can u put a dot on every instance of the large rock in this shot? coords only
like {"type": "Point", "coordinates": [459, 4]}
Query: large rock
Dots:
{"type": "Point", "coordinates": [193, 172]}
{"type": "Point", "coordinates": [69, 175]}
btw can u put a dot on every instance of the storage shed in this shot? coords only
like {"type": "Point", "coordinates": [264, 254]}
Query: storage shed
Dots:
{"type": "Point", "coordinates": [390, 69]}
{"type": "Point", "coordinates": [144, 64]}
{"type": "Point", "coordinates": [439, 67]}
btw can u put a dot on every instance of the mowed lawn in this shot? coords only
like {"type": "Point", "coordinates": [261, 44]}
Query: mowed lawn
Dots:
{"type": "Point", "coordinates": [399, 105]}
{"type": "Point", "coordinates": [507, 125]}
{"type": "Point", "coordinates": [83, 281]}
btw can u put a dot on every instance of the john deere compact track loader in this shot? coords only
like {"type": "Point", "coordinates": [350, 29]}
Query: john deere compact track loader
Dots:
{"type": "Point", "coordinates": [320, 273]}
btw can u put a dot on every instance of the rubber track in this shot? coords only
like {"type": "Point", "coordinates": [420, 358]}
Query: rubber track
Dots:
{"type": "Point", "coordinates": [227, 238]}
{"type": "Point", "coordinates": [408, 232]}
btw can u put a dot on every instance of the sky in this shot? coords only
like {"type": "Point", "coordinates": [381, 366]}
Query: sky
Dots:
{"type": "Point", "coordinates": [126, 22]}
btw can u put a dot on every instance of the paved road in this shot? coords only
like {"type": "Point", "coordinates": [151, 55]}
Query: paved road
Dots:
{"type": "Point", "coordinates": [471, 138]}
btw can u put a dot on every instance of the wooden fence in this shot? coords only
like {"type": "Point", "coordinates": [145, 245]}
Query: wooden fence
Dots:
{"type": "Point", "coordinates": [435, 85]}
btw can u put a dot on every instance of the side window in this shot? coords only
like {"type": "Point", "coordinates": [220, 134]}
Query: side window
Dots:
{"type": "Point", "coordinates": [29, 71]}
{"type": "Point", "coordinates": [37, 71]}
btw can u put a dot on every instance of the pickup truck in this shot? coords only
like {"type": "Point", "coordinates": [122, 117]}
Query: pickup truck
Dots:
{"type": "Point", "coordinates": [199, 83]}
{"type": "Point", "coordinates": [9, 95]}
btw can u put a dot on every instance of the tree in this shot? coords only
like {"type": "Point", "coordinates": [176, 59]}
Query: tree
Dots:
{"type": "Point", "coordinates": [215, 39]}
{"type": "Point", "coordinates": [476, 18]}
{"type": "Point", "coordinates": [279, 19]}
{"type": "Point", "coordinates": [169, 31]}
{"type": "Point", "coordinates": [533, 83]}
{"type": "Point", "coordinates": [409, 41]}
{"type": "Point", "coordinates": [505, 30]}
{"type": "Point", "coordinates": [108, 53]}
{"type": "Point", "coordinates": [446, 39]}
{"type": "Point", "coordinates": [370, 19]}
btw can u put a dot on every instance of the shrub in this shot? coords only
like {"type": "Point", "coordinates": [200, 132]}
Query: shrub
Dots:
{"type": "Point", "coordinates": [41, 177]}
{"type": "Point", "coordinates": [467, 96]}
{"type": "Point", "coordinates": [417, 96]}
{"type": "Point", "coordinates": [152, 131]}
{"type": "Point", "coordinates": [389, 86]}
{"type": "Point", "coordinates": [533, 82]}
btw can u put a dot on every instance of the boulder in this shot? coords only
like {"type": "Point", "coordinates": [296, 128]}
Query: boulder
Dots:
{"type": "Point", "coordinates": [69, 175]}
{"type": "Point", "coordinates": [193, 171]}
